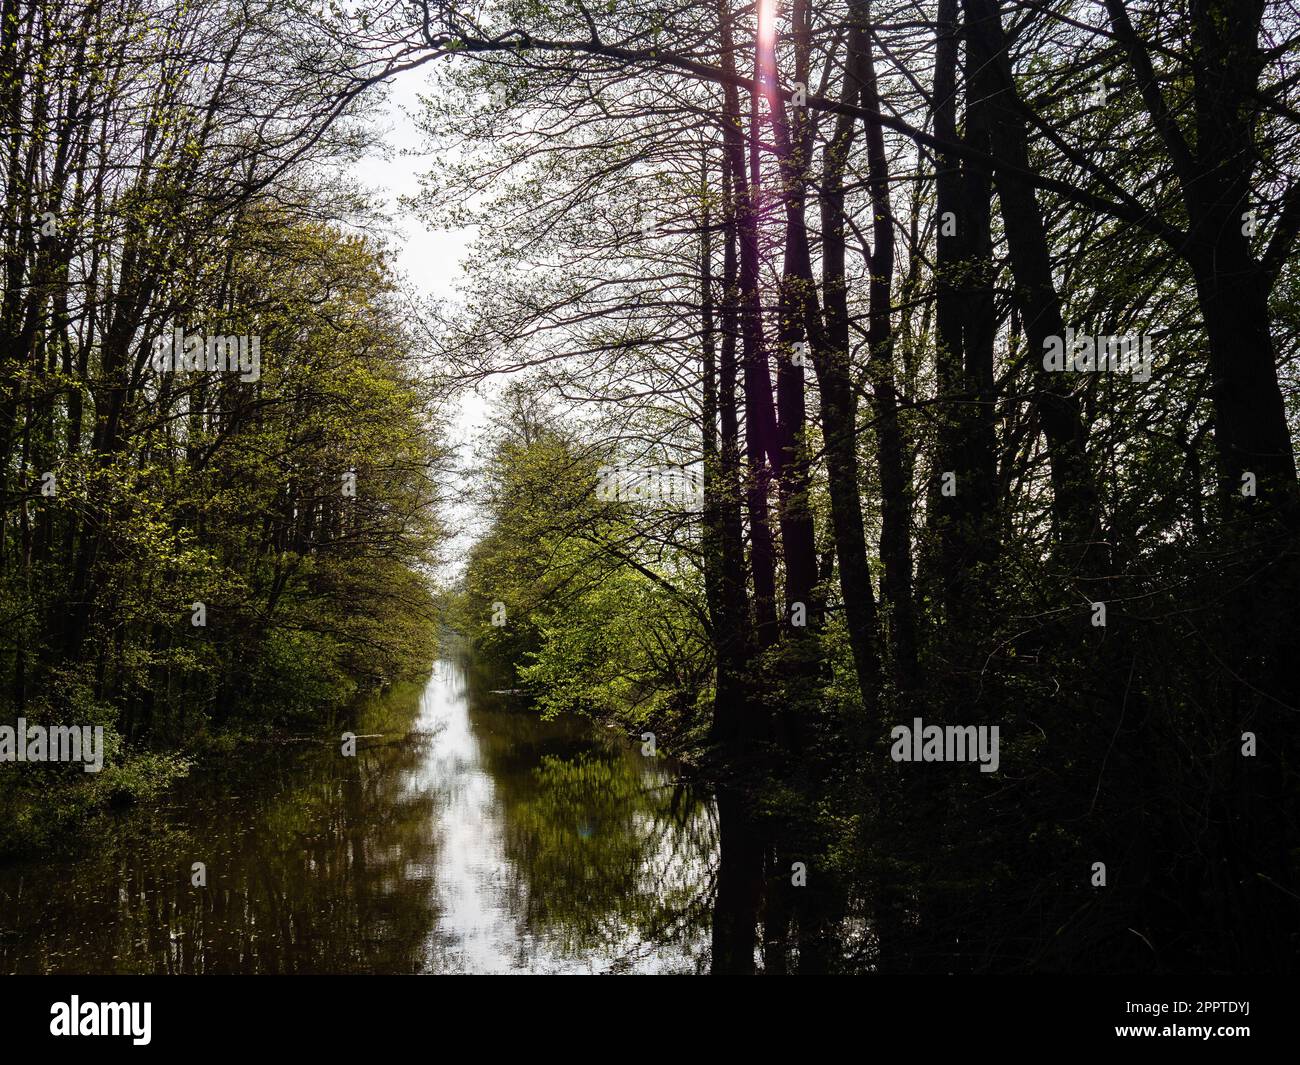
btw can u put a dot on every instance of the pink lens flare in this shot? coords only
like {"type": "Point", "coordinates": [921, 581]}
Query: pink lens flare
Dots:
{"type": "Point", "coordinates": [766, 23]}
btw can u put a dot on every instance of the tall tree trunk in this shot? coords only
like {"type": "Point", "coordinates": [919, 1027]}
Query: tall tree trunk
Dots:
{"type": "Point", "coordinates": [896, 491]}
{"type": "Point", "coordinates": [747, 720]}
{"type": "Point", "coordinates": [964, 515]}
{"type": "Point", "coordinates": [722, 516]}
{"type": "Point", "coordinates": [760, 414]}
{"type": "Point", "coordinates": [839, 401]}
{"type": "Point", "coordinates": [1260, 619]}
{"type": "Point", "coordinates": [1074, 495]}
{"type": "Point", "coordinates": [798, 535]}
{"type": "Point", "coordinates": [801, 660]}
{"type": "Point", "coordinates": [1214, 172]}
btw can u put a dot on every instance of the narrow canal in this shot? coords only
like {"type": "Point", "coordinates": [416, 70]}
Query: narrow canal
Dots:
{"type": "Point", "coordinates": [466, 835]}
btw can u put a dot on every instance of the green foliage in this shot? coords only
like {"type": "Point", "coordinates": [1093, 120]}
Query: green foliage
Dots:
{"type": "Point", "coordinates": [42, 809]}
{"type": "Point", "coordinates": [231, 494]}
{"type": "Point", "coordinates": [593, 621]}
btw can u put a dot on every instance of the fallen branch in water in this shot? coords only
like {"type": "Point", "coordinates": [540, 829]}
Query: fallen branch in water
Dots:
{"type": "Point", "coordinates": [318, 739]}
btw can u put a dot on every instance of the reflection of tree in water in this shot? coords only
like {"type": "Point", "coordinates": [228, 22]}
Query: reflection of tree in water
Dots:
{"type": "Point", "coordinates": [345, 890]}
{"type": "Point", "coordinates": [321, 863]}
{"type": "Point", "coordinates": [325, 874]}
{"type": "Point", "coordinates": [608, 853]}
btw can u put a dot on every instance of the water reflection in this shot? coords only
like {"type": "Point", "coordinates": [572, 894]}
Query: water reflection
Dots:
{"type": "Point", "coordinates": [474, 837]}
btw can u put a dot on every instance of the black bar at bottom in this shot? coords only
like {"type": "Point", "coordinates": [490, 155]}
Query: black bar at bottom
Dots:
{"type": "Point", "coordinates": [1223, 1015]}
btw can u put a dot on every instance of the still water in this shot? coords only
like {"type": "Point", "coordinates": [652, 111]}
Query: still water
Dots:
{"type": "Point", "coordinates": [469, 836]}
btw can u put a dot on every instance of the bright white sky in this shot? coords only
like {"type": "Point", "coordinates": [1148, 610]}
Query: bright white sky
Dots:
{"type": "Point", "coordinates": [431, 260]}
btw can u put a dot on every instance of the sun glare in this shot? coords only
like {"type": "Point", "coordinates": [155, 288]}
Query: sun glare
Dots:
{"type": "Point", "coordinates": [766, 23]}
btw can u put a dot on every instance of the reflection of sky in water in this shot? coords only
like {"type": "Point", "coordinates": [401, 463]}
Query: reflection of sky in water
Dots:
{"type": "Point", "coordinates": [490, 842]}
{"type": "Point", "coordinates": [483, 926]}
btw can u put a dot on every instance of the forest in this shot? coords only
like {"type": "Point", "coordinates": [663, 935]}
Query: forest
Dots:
{"type": "Point", "coordinates": [890, 422]}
